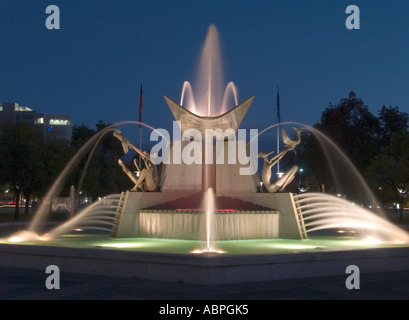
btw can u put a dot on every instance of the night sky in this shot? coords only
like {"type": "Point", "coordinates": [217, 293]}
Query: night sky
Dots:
{"type": "Point", "coordinates": [92, 67]}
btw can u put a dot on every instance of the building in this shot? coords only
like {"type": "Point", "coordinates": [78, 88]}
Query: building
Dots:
{"type": "Point", "coordinates": [13, 113]}
{"type": "Point", "coordinates": [56, 126]}
{"type": "Point", "coordinates": [53, 126]}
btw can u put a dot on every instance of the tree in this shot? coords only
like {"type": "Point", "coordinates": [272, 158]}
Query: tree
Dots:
{"type": "Point", "coordinates": [80, 135]}
{"type": "Point", "coordinates": [312, 160]}
{"type": "Point", "coordinates": [21, 159]}
{"type": "Point", "coordinates": [392, 121]}
{"type": "Point", "coordinates": [378, 148]}
{"type": "Point", "coordinates": [347, 128]}
{"type": "Point", "coordinates": [98, 173]}
{"type": "Point", "coordinates": [355, 130]}
{"type": "Point", "coordinates": [390, 168]}
{"type": "Point", "coordinates": [57, 154]}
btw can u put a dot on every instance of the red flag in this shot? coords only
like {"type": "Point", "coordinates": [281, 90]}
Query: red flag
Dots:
{"type": "Point", "coordinates": [140, 106]}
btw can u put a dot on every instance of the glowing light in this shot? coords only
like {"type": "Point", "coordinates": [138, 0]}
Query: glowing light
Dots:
{"type": "Point", "coordinates": [59, 122]}
{"type": "Point", "coordinates": [207, 250]}
{"type": "Point", "coordinates": [120, 245]}
{"type": "Point", "coordinates": [221, 210]}
{"type": "Point", "coordinates": [372, 241]}
{"type": "Point", "coordinates": [296, 246]}
{"type": "Point", "coordinates": [39, 121]}
{"type": "Point", "coordinates": [24, 236]}
{"type": "Point", "coordinates": [15, 239]}
{"type": "Point", "coordinates": [44, 237]}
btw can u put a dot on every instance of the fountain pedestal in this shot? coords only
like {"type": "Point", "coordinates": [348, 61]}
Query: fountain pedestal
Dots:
{"type": "Point", "coordinates": [157, 215]}
{"type": "Point", "coordinates": [176, 211]}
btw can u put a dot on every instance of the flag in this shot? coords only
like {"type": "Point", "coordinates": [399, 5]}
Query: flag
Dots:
{"type": "Point", "coordinates": [140, 106]}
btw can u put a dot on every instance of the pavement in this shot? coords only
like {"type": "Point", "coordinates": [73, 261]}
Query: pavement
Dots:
{"type": "Point", "coordinates": [28, 284]}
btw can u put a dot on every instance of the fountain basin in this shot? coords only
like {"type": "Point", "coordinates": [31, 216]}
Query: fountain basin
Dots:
{"type": "Point", "coordinates": [298, 259]}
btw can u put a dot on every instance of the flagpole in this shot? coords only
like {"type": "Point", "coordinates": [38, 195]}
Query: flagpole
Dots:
{"type": "Point", "coordinates": [278, 126]}
{"type": "Point", "coordinates": [140, 126]}
{"type": "Point", "coordinates": [140, 146]}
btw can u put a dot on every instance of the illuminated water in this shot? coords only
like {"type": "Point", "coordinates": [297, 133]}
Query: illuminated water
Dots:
{"type": "Point", "coordinates": [324, 211]}
{"type": "Point", "coordinates": [236, 247]}
{"type": "Point", "coordinates": [209, 217]}
{"type": "Point", "coordinates": [208, 98]}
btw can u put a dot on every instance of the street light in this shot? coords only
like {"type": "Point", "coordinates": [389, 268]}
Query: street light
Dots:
{"type": "Point", "coordinates": [402, 192]}
{"type": "Point", "coordinates": [301, 187]}
{"type": "Point", "coordinates": [299, 176]}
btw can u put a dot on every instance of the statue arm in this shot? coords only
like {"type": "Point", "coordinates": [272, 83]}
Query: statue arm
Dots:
{"type": "Point", "coordinates": [126, 144]}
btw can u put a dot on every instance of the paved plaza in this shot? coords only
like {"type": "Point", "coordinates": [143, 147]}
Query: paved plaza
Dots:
{"type": "Point", "coordinates": [27, 284]}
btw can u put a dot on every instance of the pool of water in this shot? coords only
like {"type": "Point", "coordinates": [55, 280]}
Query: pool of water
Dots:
{"type": "Point", "coordinates": [315, 243]}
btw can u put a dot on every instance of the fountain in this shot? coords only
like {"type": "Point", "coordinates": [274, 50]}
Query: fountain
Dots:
{"type": "Point", "coordinates": [201, 213]}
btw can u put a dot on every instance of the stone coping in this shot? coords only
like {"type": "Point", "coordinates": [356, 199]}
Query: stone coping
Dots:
{"type": "Point", "coordinates": [205, 268]}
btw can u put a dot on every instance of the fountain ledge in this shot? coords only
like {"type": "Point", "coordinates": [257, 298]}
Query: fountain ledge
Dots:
{"type": "Point", "coordinates": [203, 269]}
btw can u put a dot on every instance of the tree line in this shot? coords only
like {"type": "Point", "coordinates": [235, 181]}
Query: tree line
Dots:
{"type": "Point", "coordinates": [30, 163]}
{"type": "Point", "coordinates": [377, 145]}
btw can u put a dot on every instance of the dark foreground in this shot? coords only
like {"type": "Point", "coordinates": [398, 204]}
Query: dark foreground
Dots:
{"type": "Point", "coordinates": [26, 284]}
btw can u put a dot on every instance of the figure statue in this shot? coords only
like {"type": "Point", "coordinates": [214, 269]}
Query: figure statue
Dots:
{"type": "Point", "coordinates": [291, 144]}
{"type": "Point", "coordinates": [148, 177]}
{"type": "Point", "coordinates": [281, 183]}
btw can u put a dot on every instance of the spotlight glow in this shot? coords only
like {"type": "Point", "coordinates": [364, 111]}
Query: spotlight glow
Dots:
{"type": "Point", "coordinates": [24, 236]}
{"type": "Point", "coordinates": [120, 245]}
{"type": "Point", "coordinates": [15, 239]}
{"type": "Point", "coordinates": [296, 246]}
{"type": "Point", "coordinates": [207, 250]}
{"type": "Point", "coordinates": [371, 241]}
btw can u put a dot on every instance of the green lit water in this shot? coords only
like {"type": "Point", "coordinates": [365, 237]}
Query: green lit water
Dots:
{"type": "Point", "coordinates": [236, 247]}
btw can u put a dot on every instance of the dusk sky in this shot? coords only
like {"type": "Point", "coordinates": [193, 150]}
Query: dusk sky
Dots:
{"type": "Point", "coordinates": [92, 66]}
